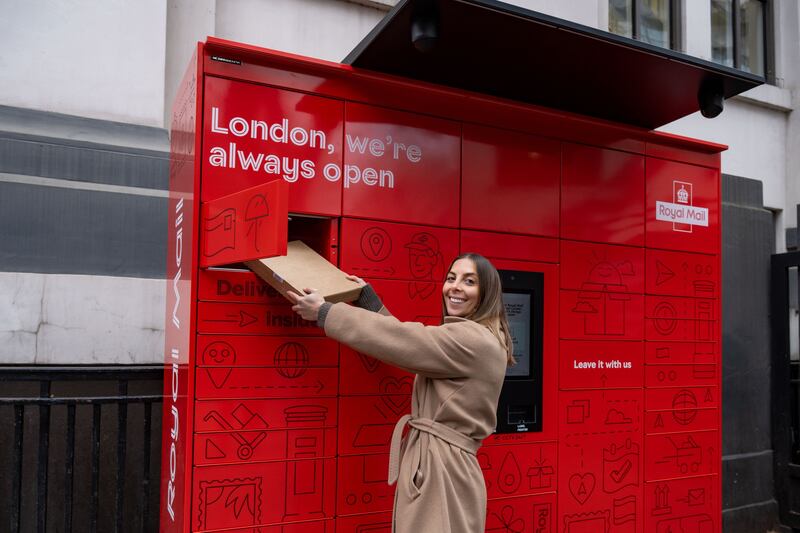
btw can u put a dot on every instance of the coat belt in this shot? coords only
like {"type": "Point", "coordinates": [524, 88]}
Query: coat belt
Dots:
{"type": "Point", "coordinates": [431, 427]}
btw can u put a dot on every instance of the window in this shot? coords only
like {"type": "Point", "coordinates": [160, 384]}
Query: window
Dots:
{"type": "Point", "coordinates": [738, 34]}
{"type": "Point", "coordinates": [651, 21]}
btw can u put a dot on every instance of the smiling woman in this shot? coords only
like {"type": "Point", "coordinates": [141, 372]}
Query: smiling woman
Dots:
{"type": "Point", "coordinates": [461, 290]}
{"type": "Point", "coordinates": [460, 367]}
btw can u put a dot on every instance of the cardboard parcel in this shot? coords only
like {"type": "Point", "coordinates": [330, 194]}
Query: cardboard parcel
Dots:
{"type": "Point", "coordinates": [302, 267]}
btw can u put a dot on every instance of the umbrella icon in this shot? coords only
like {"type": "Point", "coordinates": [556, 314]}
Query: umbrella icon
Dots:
{"type": "Point", "coordinates": [257, 209]}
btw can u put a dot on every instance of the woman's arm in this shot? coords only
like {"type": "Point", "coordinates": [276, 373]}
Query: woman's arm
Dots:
{"type": "Point", "coordinates": [314, 308]}
{"type": "Point", "coordinates": [458, 349]}
{"type": "Point", "coordinates": [368, 299]}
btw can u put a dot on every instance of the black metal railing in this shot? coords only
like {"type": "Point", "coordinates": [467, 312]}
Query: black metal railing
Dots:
{"type": "Point", "coordinates": [786, 385]}
{"type": "Point", "coordinates": [80, 448]}
{"type": "Point", "coordinates": [794, 410]}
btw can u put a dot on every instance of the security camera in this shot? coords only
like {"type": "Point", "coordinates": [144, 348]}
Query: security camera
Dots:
{"type": "Point", "coordinates": [425, 26]}
{"type": "Point", "coordinates": [711, 97]}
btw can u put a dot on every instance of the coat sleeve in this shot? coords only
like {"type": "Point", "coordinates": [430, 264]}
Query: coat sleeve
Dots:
{"type": "Point", "coordinates": [459, 349]}
{"type": "Point", "coordinates": [369, 300]}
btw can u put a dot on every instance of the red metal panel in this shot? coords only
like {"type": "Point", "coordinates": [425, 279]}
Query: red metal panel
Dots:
{"type": "Point", "coordinates": [362, 486]}
{"type": "Point", "coordinates": [690, 504]}
{"type": "Point", "coordinates": [236, 286]}
{"type": "Point", "coordinates": [245, 225]}
{"type": "Point", "coordinates": [291, 382]}
{"type": "Point", "coordinates": [400, 166]}
{"type": "Point", "coordinates": [397, 251]}
{"type": "Point", "coordinates": [682, 274]}
{"type": "Point", "coordinates": [680, 375]}
{"type": "Point", "coordinates": [681, 319]}
{"type": "Point", "coordinates": [252, 319]}
{"type": "Point", "coordinates": [666, 308]}
{"type": "Point", "coordinates": [660, 399]}
{"type": "Point", "coordinates": [601, 315]}
{"type": "Point", "coordinates": [510, 247]}
{"type": "Point", "coordinates": [362, 374]}
{"type": "Point", "coordinates": [610, 412]}
{"type": "Point", "coordinates": [599, 460]}
{"type": "Point", "coordinates": [266, 493]}
{"type": "Point", "coordinates": [600, 481]}
{"type": "Point", "coordinates": [365, 523]}
{"type": "Point", "coordinates": [247, 446]}
{"type": "Point", "coordinates": [674, 455]}
{"type": "Point", "coordinates": [710, 157]}
{"type": "Point", "coordinates": [682, 209]}
{"type": "Point", "coordinates": [600, 364]}
{"type": "Point", "coordinates": [524, 514]}
{"type": "Point", "coordinates": [183, 214]}
{"type": "Point", "coordinates": [256, 415]}
{"type": "Point", "coordinates": [316, 526]}
{"type": "Point", "coordinates": [664, 327]}
{"type": "Point", "coordinates": [601, 267]}
{"type": "Point", "coordinates": [502, 171]}
{"type": "Point", "coordinates": [601, 196]}
{"type": "Point", "coordinates": [518, 470]}
{"type": "Point", "coordinates": [253, 133]}
{"type": "Point", "coordinates": [681, 353]}
{"type": "Point", "coordinates": [685, 417]}
{"type": "Point", "coordinates": [413, 301]}
{"type": "Point", "coordinates": [370, 421]}
{"type": "Point", "coordinates": [292, 354]}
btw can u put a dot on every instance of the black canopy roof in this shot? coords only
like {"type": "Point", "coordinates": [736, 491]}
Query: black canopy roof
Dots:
{"type": "Point", "coordinates": [497, 49]}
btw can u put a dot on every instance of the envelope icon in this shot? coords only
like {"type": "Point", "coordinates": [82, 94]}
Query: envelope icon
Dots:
{"type": "Point", "coordinates": [697, 496]}
{"type": "Point", "coordinates": [220, 232]}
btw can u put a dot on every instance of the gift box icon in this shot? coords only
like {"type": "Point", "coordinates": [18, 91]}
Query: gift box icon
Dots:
{"type": "Point", "coordinates": [540, 476]}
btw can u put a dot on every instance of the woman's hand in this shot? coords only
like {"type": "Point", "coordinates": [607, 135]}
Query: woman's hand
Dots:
{"type": "Point", "coordinates": [360, 282]}
{"type": "Point", "coordinates": [307, 306]}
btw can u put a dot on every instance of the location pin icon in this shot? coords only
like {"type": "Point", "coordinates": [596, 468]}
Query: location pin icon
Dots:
{"type": "Point", "coordinates": [376, 243]}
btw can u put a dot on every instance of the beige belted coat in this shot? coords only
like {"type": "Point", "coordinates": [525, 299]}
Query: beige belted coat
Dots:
{"type": "Point", "coordinates": [460, 368]}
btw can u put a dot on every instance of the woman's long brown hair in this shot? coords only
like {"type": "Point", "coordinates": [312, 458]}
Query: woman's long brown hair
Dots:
{"type": "Point", "coordinates": [490, 310]}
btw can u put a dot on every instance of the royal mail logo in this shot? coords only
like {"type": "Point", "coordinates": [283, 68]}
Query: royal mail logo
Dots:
{"type": "Point", "coordinates": [683, 194]}
{"type": "Point", "coordinates": [681, 211]}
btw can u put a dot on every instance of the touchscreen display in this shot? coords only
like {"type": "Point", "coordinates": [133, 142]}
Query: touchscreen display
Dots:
{"type": "Point", "coordinates": [518, 313]}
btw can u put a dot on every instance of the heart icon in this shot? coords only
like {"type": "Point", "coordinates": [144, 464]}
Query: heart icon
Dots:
{"type": "Point", "coordinates": [393, 385]}
{"type": "Point", "coordinates": [370, 363]}
{"type": "Point", "coordinates": [581, 486]}
{"type": "Point", "coordinates": [397, 404]}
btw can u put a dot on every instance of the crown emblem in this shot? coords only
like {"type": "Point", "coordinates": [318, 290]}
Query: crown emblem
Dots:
{"type": "Point", "coordinates": [683, 195]}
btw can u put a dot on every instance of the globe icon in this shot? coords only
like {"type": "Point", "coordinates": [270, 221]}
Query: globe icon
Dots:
{"type": "Point", "coordinates": [685, 407]}
{"type": "Point", "coordinates": [291, 360]}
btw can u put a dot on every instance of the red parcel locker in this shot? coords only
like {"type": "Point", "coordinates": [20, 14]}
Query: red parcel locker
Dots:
{"type": "Point", "coordinates": [607, 239]}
